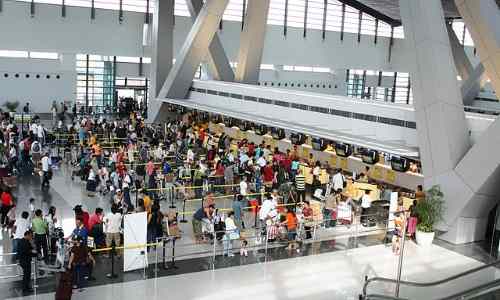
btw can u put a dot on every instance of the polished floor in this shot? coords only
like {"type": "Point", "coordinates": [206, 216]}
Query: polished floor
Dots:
{"type": "Point", "coordinates": [331, 267]}
{"type": "Point", "coordinates": [334, 275]}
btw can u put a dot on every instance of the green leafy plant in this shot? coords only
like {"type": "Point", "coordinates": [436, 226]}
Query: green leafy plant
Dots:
{"type": "Point", "coordinates": [11, 105]}
{"type": "Point", "coordinates": [431, 209]}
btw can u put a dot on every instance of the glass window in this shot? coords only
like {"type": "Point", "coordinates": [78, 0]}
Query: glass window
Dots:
{"type": "Point", "coordinates": [334, 16]}
{"type": "Point", "coordinates": [315, 14]}
{"type": "Point", "coordinates": [180, 8]}
{"type": "Point", "coordinates": [234, 10]}
{"type": "Point", "coordinates": [44, 55]}
{"type": "Point", "coordinates": [276, 14]}
{"type": "Point", "coordinates": [296, 11]}
{"type": "Point", "coordinates": [128, 59]}
{"type": "Point", "coordinates": [266, 67]}
{"type": "Point", "coordinates": [13, 53]}
{"type": "Point", "coordinates": [367, 25]}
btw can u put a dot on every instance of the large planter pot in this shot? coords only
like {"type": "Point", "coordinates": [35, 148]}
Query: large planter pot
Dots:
{"type": "Point", "coordinates": [424, 239]}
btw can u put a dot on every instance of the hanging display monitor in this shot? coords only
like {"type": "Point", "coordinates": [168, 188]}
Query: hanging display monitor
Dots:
{"type": "Point", "coordinates": [278, 133]}
{"type": "Point", "coordinates": [343, 150]}
{"type": "Point", "coordinates": [319, 144]}
{"type": "Point", "coordinates": [261, 129]}
{"type": "Point", "coordinates": [370, 156]}
{"type": "Point", "coordinates": [297, 138]}
{"type": "Point", "coordinates": [399, 164]}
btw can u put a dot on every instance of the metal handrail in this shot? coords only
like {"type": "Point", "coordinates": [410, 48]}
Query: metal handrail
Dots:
{"type": "Point", "coordinates": [423, 284]}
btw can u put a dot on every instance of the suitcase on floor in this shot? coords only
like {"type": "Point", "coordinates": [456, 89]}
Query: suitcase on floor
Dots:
{"type": "Point", "coordinates": [64, 289]}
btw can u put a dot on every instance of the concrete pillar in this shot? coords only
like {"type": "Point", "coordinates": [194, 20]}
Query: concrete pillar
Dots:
{"type": "Point", "coordinates": [217, 62]}
{"type": "Point", "coordinates": [442, 130]}
{"type": "Point", "coordinates": [252, 42]}
{"type": "Point", "coordinates": [482, 18]}
{"type": "Point", "coordinates": [162, 39]}
{"type": "Point", "coordinates": [194, 49]}
{"type": "Point", "coordinates": [470, 85]}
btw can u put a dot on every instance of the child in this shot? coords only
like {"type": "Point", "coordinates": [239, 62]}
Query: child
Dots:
{"type": "Point", "coordinates": [243, 249]}
{"type": "Point", "coordinates": [291, 226]}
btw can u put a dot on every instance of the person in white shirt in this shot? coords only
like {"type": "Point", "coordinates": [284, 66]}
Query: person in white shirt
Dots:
{"type": "Point", "coordinates": [230, 235]}
{"type": "Point", "coordinates": [244, 187]}
{"type": "Point", "coordinates": [40, 131]}
{"type": "Point", "coordinates": [366, 203]}
{"type": "Point", "coordinates": [338, 180]}
{"type": "Point", "coordinates": [113, 222]}
{"type": "Point", "coordinates": [261, 161]}
{"type": "Point", "coordinates": [45, 170]}
{"type": "Point", "coordinates": [20, 227]}
{"type": "Point", "coordinates": [190, 155]}
{"type": "Point", "coordinates": [268, 211]}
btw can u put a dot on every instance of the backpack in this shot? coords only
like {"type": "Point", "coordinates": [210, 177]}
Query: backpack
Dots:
{"type": "Point", "coordinates": [36, 147]}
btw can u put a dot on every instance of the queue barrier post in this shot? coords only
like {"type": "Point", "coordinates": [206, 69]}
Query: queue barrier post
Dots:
{"type": "Point", "coordinates": [35, 275]}
{"type": "Point", "coordinates": [156, 257]}
{"type": "Point", "coordinates": [183, 211]}
{"type": "Point", "coordinates": [112, 275]}
{"type": "Point", "coordinates": [172, 263]}
{"type": "Point", "coordinates": [214, 250]}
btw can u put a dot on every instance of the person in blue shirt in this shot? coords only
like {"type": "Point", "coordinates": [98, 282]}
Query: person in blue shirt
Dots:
{"type": "Point", "coordinates": [238, 212]}
{"type": "Point", "coordinates": [80, 230]}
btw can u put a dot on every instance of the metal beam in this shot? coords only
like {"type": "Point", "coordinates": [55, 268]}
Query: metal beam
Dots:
{"type": "Point", "coordinates": [194, 50]}
{"type": "Point", "coordinates": [285, 20]}
{"type": "Point", "coordinates": [343, 22]}
{"type": "Point", "coordinates": [306, 7]}
{"type": "Point", "coordinates": [252, 42]}
{"type": "Point", "coordinates": [218, 63]}
{"type": "Point", "coordinates": [372, 12]}
{"type": "Point", "coordinates": [325, 8]}
{"type": "Point", "coordinates": [63, 9]}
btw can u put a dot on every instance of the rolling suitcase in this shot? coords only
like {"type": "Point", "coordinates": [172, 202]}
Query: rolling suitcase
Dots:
{"type": "Point", "coordinates": [64, 289]}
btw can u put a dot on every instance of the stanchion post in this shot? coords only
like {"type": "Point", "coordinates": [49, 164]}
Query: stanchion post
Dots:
{"type": "Point", "coordinates": [170, 192]}
{"type": "Point", "coordinates": [214, 252]}
{"type": "Point", "coordinates": [156, 257]}
{"type": "Point", "coordinates": [112, 275]}
{"type": "Point", "coordinates": [183, 211]}
{"type": "Point", "coordinates": [35, 275]}
{"type": "Point", "coordinates": [172, 264]}
{"type": "Point", "coordinates": [267, 243]}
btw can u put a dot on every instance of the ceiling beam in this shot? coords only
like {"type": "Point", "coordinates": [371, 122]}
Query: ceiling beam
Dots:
{"type": "Point", "coordinates": [372, 12]}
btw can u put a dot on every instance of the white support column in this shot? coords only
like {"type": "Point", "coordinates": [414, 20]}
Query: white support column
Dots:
{"type": "Point", "coordinates": [482, 18]}
{"type": "Point", "coordinates": [252, 42]}
{"type": "Point", "coordinates": [162, 39]}
{"type": "Point", "coordinates": [470, 76]}
{"type": "Point", "coordinates": [193, 51]}
{"type": "Point", "coordinates": [218, 64]}
{"type": "Point", "coordinates": [442, 129]}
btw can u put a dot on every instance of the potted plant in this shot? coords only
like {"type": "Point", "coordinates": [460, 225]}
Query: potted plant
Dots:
{"type": "Point", "coordinates": [429, 212]}
{"type": "Point", "coordinates": [11, 107]}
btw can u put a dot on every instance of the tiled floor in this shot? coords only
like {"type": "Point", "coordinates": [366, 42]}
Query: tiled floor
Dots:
{"type": "Point", "coordinates": [335, 271]}
{"type": "Point", "coordinates": [334, 275]}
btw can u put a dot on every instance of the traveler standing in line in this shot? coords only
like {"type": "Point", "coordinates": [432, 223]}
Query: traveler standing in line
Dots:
{"type": "Point", "coordinates": [20, 227]}
{"type": "Point", "coordinates": [45, 170]}
{"type": "Point", "coordinates": [338, 180]}
{"type": "Point", "coordinates": [300, 185]}
{"type": "Point", "coordinates": [25, 253]}
{"type": "Point", "coordinates": [366, 203]}
{"type": "Point", "coordinates": [40, 228]}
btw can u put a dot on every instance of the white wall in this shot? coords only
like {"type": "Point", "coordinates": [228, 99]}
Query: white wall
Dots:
{"type": "Point", "coordinates": [40, 92]}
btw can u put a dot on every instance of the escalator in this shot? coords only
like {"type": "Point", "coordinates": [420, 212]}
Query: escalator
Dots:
{"type": "Point", "coordinates": [480, 283]}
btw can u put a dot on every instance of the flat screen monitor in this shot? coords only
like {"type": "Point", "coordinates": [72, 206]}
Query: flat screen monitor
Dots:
{"type": "Point", "coordinates": [278, 133]}
{"type": "Point", "coordinates": [318, 144]}
{"type": "Point", "coordinates": [297, 138]}
{"type": "Point", "coordinates": [370, 156]}
{"type": "Point", "coordinates": [400, 164]}
{"type": "Point", "coordinates": [343, 150]}
{"type": "Point", "coordinates": [261, 129]}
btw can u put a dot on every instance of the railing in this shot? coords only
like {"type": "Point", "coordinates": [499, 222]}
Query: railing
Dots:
{"type": "Point", "coordinates": [466, 294]}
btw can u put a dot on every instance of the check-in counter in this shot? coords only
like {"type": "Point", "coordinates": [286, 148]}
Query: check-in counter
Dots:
{"type": "Point", "coordinates": [378, 171]}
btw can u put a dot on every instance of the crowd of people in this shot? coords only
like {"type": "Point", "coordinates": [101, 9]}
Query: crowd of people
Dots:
{"type": "Point", "coordinates": [120, 159]}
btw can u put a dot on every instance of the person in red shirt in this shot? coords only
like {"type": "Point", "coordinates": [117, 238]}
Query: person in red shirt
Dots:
{"type": "Point", "coordinates": [6, 206]}
{"type": "Point", "coordinates": [79, 212]}
{"type": "Point", "coordinates": [268, 175]}
{"type": "Point", "coordinates": [95, 218]}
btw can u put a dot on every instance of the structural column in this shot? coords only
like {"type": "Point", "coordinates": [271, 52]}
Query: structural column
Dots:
{"type": "Point", "coordinates": [442, 131]}
{"type": "Point", "coordinates": [194, 50]}
{"type": "Point", "coordinates": [252, 42]}
{"type": "Point", "coordinates": [162, 39]}
{"type": "Point", "coordinates": [218, 64]}
{"type": "Point", "coordinates": [471, 76]}
{"type": "Point", "coordinates": [482, 18]}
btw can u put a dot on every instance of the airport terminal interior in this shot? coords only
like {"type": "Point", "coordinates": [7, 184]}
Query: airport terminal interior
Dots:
{"type": "Point", "coordinates": [249, 149]}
